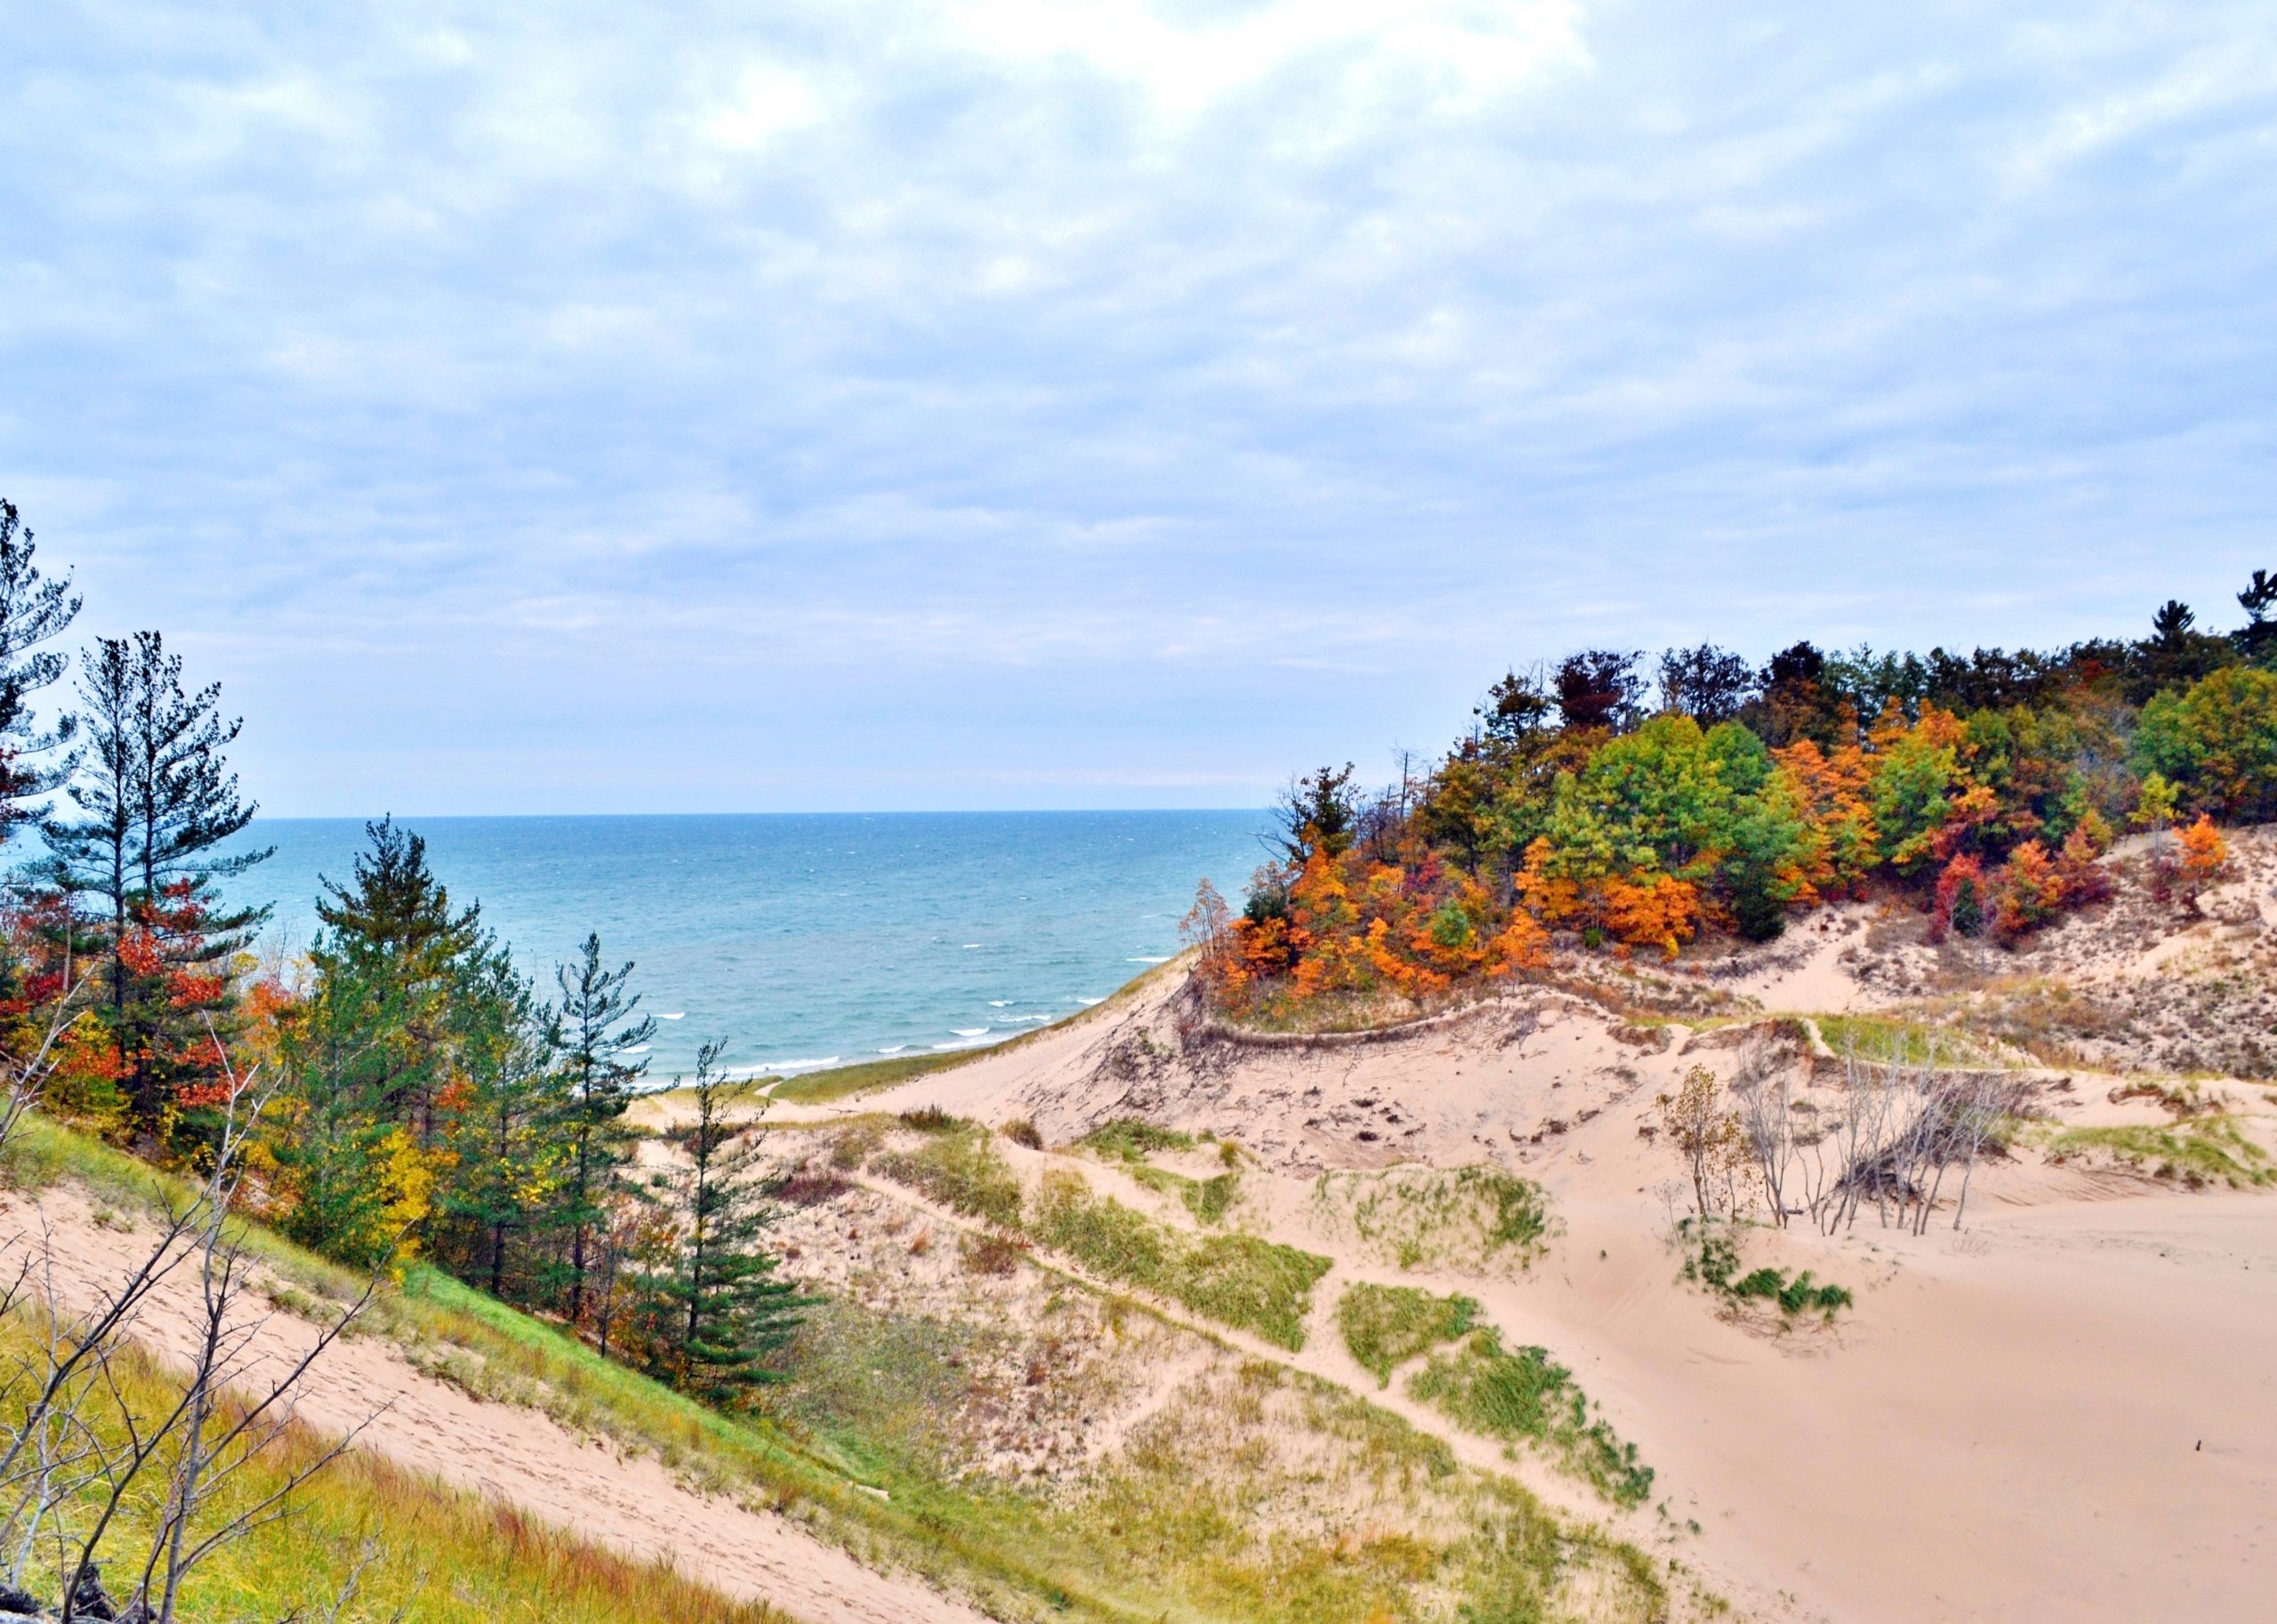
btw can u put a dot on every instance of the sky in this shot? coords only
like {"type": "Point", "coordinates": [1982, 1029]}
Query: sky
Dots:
{"type": "Point", "coordinates": [848, 405]}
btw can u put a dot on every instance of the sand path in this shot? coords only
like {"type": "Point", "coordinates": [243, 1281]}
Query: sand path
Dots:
{"type": "Point", "coordinates": [629, 1504]}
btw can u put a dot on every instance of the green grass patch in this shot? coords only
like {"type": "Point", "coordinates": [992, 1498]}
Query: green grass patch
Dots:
{"type": "Point", "coordinates": [1472, 1219]}
{"type": "Point", "coordinates": [1129, 1139]}
{"type": "Point", "coordinates": [1712, 1259]}
{"type": "Point", "coordinates": [2205, 1150]}
{"type": "Point", "coordinates": [1237, 1280]}
{"type": "Point", "coordinates": [958, 1165]}
{"type": "Point", "coordinates": [1385, 1326]}
{"type": "Point", "coordinates": [1888, 1037]}
{"type": "Point", "coordinates": [1208, 1199]}
{"type": "Point", "coordinates": [1525, 1396]}
{"type": "Point", "coordinates": [842, 1081]}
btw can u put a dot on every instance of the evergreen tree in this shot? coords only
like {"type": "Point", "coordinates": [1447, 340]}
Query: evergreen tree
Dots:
{"type": "Point", "coordinates": [504, 1139]}
{"type": "Point", "coordinates": [718, 1309]}
{"type": "Point", "coordinates": [155, 799]}
{"type": "Point", "coordinates": [93, 854]}
{"type": "Point", "coordinates": [340, 1170]}
{"type": "Point", "coordinates": [393, 954]}
{"type": "Point", "coordinates": [602, 1029]}
{"type": "Point", "coordinates": [33, 610]}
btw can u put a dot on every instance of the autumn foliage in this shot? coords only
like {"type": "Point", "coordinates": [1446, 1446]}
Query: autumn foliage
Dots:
{"type": "Point", "coordinates": [1980, 791]}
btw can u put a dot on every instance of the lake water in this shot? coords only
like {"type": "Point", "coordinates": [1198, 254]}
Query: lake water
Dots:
{"type": "Point", "coordinates": [803, 941]}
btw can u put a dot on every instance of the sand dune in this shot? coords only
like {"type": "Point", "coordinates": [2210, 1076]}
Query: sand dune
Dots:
{"type": "Point", "coordinates": [2066, 1410]}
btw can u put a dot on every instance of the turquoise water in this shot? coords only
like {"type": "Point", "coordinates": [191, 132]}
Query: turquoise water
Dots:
{"type": "Point", "coordinates": [803, 941]}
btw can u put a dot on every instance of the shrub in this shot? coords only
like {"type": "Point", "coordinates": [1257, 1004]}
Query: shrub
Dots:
{"type": "Point", "coordinates": [1712, 1259]}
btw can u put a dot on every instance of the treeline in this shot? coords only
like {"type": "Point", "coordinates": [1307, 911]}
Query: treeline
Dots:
{"type": "Point", "coordinates": [418, 1095]}
{"type": "Point", "coordinates": [1627, 803]}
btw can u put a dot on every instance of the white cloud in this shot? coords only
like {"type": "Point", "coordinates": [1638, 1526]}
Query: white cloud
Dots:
{"type": "Point", "coordinates": [921, 342]}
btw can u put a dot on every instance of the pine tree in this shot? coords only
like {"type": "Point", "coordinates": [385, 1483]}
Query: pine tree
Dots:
{"type": "Point", "coordinates": [601, 1029]}
{"type": "Point", "coordinates": [33, 610]}
{"type": "Point", "coordinates": [336, 1148]}
{"type": "Point", "coordinates": [504, 1149]}
{"type": "Point", "coordinates": [396, 955]}
{"type": "Point", "coordinates": [718, 1309]}
{"type": "Point", "coordinates": [156, 801]}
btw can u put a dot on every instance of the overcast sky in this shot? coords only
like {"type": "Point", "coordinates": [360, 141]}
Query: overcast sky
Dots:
{"type": "Point", "coordinates": [596, 408]}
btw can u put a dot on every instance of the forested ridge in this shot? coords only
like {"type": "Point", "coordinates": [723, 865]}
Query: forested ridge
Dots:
{"type": "Point", "coordinates": [1620, 803]}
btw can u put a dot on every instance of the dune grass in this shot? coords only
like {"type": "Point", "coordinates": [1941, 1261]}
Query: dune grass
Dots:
{"type": "Point", "coordinates": [1385, 1326]}
{"type": "Point", "coordinates": [1226, 1504]}
{"type": "Point", "coordinates": [1712, 1257]}
{"type": "Point", "coordinates": [1250, 1284]}
{"type": "Point", "coordinates": [1525, 1396]}
{"type": "Point", "coordinates": [842, 1081]}
{"type": "Point", "coordinates": [1473, 1218]}
{"type": "Point", "coordinates": [1129, 1139]}
{"type": "Point", "coordinates": [1208, 1199]}
{"type": "Point", "coordinates": [430, 1554]}
{"type": "Point", "coordinates": [958, 1165]}
{"type": "Point", "coordinates": [2205, 1150]}
{"type": "Point", "coordinates": [1897, 1037]}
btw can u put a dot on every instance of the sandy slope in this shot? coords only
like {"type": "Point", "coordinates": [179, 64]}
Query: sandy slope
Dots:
{"type": "Point", "coordinates": [632, 1504]}
{"type": "Point", "coordinates": [2069, 1410]}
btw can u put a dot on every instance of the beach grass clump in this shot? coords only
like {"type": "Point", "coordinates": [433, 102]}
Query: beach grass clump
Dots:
{"type": "Point", "coordinates": [1525, 1396]}
{"type": "Point", "coordinates": [1237, 1280]}
{"type": "Point", "coordinates": [2200, 1152]}
{"type": "Point", "coordinates": [1385, 1326]}
{"type": "Point", "coordinates": [1208, 1199]}
{"type": "Point", "coordinates": [1471, 1218]}
{"type": "Point", "coordinates": [958, 1165]}
{"type": "Point", "coordinates": [1902, 1038]}
{"type": "Point", "coordinates": [1712, 1259]}
{"type": "Point", "coordinates": [1129, 1139]}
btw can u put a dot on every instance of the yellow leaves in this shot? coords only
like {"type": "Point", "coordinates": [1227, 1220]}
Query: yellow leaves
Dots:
{"type": "Point", "coordinates": [408, 1185]}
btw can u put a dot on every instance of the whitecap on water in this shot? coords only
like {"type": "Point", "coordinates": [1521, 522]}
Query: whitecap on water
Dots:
{"type": "Point", "coordinates": [1164, 960]}
{"type": "Point", "coordinates": [680, 1016]}
{"type": "Point", "coordinates": [970, 1031]}
{"type": "Point", "coordinates": [1090, 1002]}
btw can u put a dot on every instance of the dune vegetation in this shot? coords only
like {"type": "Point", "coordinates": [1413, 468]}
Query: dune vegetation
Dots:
{"type": "Point", "coordinates": [1613, 804]}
